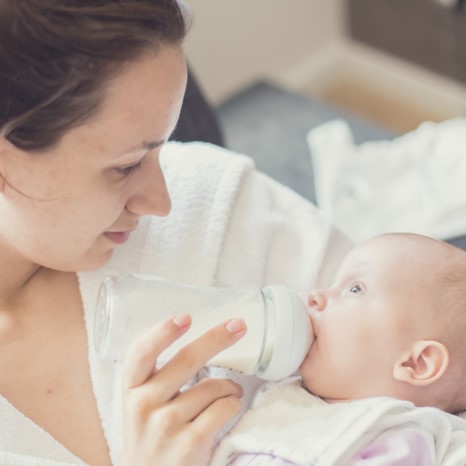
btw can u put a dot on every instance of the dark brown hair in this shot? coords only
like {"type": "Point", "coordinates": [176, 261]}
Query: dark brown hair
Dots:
{"type": "Point", "coordinates": [57, 55]}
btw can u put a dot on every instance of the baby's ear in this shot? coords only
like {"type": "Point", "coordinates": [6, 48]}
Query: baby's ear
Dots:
{"type": "Point", "coordinates": [424, 363]}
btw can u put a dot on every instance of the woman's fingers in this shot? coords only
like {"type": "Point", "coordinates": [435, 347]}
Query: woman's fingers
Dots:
{"type": "Point", "coordinates": [187, 405]}
{"type": "Point", "coordinates": [189, 359]}
{"type": "Point", "coordinates": [165, 383]}
{"type": "Point", "coordinates": [212, 419]}
{"type": "Point", "coordinates": [160, 422]}
{"type": "Point", "coordinates": [142, 355]}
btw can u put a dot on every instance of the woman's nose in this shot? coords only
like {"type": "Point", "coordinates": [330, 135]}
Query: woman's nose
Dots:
{"type": "Point", "coordinates": [150, 195]}
{"type": "Point", "coordinates": [317, 300]}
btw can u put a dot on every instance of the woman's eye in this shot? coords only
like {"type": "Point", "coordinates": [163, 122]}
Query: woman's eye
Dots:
{"type": "Point", "coordinates": [126, 171]}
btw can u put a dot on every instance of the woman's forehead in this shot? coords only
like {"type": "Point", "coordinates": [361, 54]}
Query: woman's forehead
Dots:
{"type": "Point", "coordinates": [140, 107]}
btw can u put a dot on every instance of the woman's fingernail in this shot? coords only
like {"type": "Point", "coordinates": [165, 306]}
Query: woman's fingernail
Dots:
{"type": "Point", "coordinates": [182, 320]}
{"type": "Point", "coordinates": [235, 326]}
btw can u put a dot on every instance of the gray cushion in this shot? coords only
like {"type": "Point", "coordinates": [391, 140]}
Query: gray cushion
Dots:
{"type": "Point", "coordinates": [198, 121]}
{"type": "Point", "coordinates": [270, 124]}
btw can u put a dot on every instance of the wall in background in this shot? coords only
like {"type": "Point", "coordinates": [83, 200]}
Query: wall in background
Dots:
{"type": "Point", "coordinates": [234, 43]}
{"type": "Point", "coordinates": [418, 31]}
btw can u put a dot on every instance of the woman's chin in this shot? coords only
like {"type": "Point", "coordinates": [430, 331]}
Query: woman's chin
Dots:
{"type": "Point", "coordinates": [94, 261]}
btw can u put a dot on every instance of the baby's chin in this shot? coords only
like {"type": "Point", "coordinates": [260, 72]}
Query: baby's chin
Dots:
{"type": "Point", "coordinates": [307, 383]}
{"type": "Point", "coordinates": [314, 386]}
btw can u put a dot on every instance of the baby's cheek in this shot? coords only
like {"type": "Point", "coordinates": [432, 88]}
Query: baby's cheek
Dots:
{"type": "Point", "coordinates": [312, 363]}
{"type": "Point", "coordinates": [304, 366]}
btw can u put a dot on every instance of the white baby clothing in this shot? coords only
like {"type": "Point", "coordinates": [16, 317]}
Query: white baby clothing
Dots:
{"type": "Point", "coordinates": [289, 426]}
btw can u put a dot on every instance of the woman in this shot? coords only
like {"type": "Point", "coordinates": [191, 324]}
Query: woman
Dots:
{"type": "Point", "coordinates": [90, 91]}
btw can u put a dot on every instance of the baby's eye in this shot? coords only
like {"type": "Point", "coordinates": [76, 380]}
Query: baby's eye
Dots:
{"type": "Point", "coordinates": [356, 288]}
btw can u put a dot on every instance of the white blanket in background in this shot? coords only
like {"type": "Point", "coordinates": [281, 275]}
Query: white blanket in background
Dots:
{"type": "Point", "coordinates": [416, 182]}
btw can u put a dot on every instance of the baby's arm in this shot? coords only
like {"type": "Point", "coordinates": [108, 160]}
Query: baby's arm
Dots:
{"type": "Point", "coordinates": [408, 447]}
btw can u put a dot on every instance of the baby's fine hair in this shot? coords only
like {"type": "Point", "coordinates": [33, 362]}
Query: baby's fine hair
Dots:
{"type": "Point", "coordinates": [57, 55]}
{"type": "Point", "coordinates": [444, 267]}
{"type": "Point", "coordinates": [452, 315]}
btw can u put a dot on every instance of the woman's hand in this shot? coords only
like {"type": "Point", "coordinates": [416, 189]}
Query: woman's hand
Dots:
{"type": "Point", "coordinates": [161, 425]}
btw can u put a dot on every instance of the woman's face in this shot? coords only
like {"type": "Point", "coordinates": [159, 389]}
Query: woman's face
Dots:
{"type": "Point", "coordinates": [69, 207]}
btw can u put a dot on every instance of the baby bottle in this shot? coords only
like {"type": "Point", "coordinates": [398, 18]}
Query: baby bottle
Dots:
{"type": "Point", "coordinates": [278, 335]}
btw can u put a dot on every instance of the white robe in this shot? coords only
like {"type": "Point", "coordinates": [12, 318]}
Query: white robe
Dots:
{"type": "Point", "coordinates": [229, 226]}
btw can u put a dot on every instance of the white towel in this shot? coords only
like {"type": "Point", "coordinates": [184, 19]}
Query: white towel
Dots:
{"type": "Point", "coordinates": [288, 422]}
{"type": "Point", "coordinates": [413, 183]}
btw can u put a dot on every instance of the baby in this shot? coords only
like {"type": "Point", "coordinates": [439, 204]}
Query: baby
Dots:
{"type": "Point", "coordinates": [387, 364]}
{"type": "Point", "coordinates": [392, 324]}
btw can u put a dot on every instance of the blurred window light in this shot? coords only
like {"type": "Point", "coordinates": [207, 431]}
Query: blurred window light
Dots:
{"type": "Point", "coordinates": [449, 3]}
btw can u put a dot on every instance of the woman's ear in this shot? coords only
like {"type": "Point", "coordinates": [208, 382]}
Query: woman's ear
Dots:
{"type": "Point", "coordinates": [2, 179]}
{"type": "Point", "coordinates": [3, 151]}
{"type": "Point", "coordinates": [423, 364]}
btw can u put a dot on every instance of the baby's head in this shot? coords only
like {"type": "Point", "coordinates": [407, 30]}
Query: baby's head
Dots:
{"type": "Point", "coordinates": [392, 324]}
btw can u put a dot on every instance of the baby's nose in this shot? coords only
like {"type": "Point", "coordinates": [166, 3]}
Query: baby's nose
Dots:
{"type": "Point", "coordinates": [317, 300]}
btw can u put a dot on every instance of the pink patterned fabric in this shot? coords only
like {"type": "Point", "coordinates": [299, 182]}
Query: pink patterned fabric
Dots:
{"type": "Point", "coordinates": [404, 448]}
{"type": "Point", "coordinates": [407, 447]}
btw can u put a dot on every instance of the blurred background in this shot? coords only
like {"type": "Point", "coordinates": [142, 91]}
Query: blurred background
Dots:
{"type": "Point", "coordinates": [393, 62]}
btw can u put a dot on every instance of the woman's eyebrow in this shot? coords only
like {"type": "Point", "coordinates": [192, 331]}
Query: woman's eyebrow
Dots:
{"type": "Point", "coordinates": [152, 144]}
{"type": "Point", "coordinates": [146, 145]}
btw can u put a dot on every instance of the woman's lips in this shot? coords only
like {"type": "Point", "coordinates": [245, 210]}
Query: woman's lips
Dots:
{"type": "Point", "coordinates": [118, 237]}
